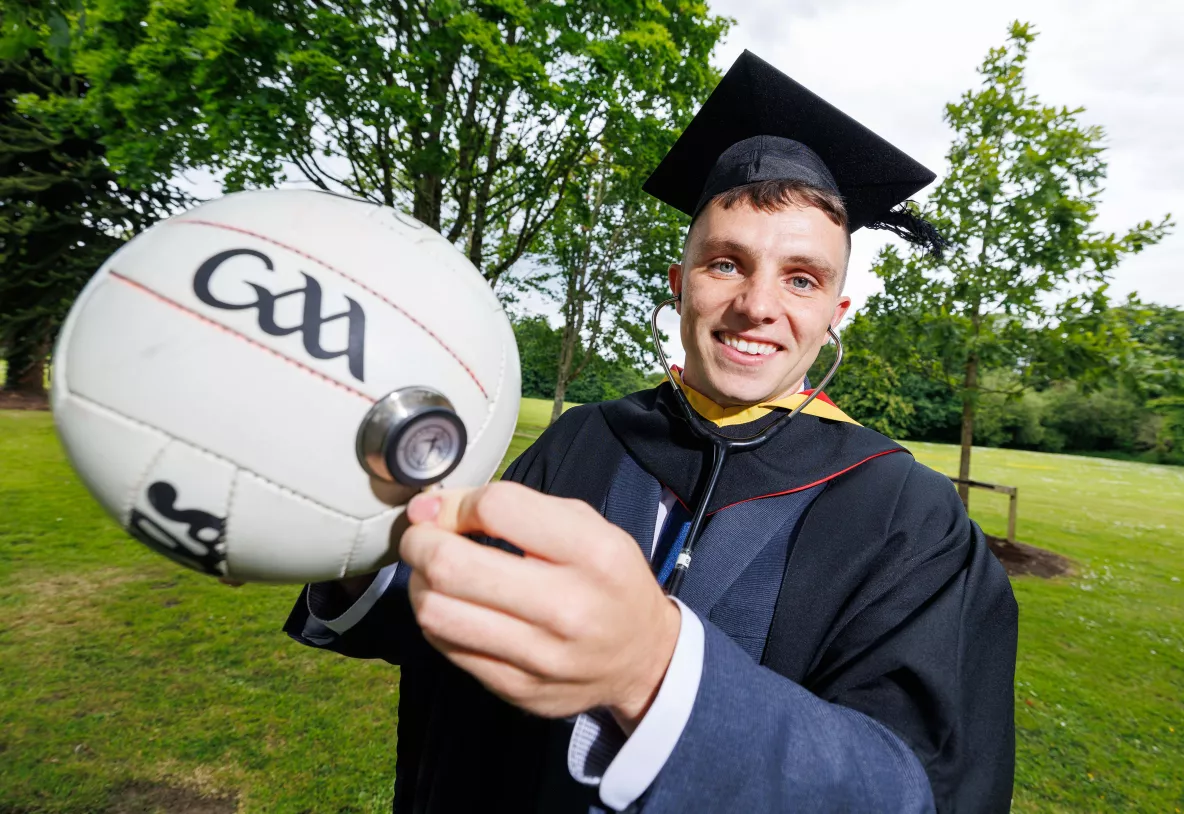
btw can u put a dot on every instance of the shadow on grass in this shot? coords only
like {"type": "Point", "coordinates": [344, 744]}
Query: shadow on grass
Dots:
{"type": "Point", "coordinates": [146, 797]}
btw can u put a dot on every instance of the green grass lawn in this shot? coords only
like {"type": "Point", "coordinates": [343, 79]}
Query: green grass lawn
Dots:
{"type": "Point", "coordinates": [119, 670]}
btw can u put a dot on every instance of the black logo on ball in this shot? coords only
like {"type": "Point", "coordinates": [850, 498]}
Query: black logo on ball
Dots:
{"type": "Point", "coordinates": [202, 546]}
{"type": "Point", "coordinates": [311, 320]}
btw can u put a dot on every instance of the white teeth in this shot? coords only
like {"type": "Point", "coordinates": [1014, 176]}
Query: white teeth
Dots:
{"type": "Point", "coordinates": [747, 346]}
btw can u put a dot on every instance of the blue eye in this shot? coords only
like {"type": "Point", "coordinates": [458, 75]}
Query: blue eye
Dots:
{"type": "Point", "coordinates": [724, 266]}
{"type": "Point", "coordinates": [802, 283]}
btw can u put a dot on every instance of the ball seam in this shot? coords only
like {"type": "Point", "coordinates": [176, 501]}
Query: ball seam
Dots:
{"type": "Point", "coordinates": [126, 517]}
{"type": "Point", "coordinates": [174, 437]}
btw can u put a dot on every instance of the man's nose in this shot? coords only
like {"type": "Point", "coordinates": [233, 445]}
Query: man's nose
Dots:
{"type": "Point", "coordinates": [759, 299]}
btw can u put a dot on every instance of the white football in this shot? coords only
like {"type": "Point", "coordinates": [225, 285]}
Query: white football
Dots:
{"type": "Point", "coordinates": [211, 380]}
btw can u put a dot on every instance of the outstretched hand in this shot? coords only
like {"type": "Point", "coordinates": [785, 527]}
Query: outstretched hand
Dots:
{"type": "Point", "coordinates": [577, 622]}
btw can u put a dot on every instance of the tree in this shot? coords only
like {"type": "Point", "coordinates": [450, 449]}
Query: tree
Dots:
{"type": "Point", "coordinates": [1022, 284]}
{"type": "Point", "coordinates": [63, 210]}
{"type": "Point", "coordinates": [604, 260]}
{"type": "Point", "coordinates": [867, 386]}
{"type": "Point", "coordinates": [1157, 370]}
{"type": "Point", "coordinates": [472, 115]}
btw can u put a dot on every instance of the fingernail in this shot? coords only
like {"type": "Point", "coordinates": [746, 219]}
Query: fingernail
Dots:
{"type": "Point", "coordinates": [423, 508]}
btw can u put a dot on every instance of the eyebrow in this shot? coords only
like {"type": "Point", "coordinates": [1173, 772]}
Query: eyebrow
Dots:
{"type": "Point", "coordinates": [819, 265]}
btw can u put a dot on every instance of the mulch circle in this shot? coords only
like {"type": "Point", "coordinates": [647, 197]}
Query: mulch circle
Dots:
{"type": "Point", "coordinates": [144, 797]}
{"type": "Point", "coordinates": [1021, 559]}
{"type": "Point", "coordinates": [15, 400]}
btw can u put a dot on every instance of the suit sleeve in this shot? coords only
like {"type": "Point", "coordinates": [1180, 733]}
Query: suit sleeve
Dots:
{"type": "Point", "coordinates": [388, 630]}
{"type": "Point", "coordinates": [756, 741]}
{"type": "Point", "coordinates": [907, 708]}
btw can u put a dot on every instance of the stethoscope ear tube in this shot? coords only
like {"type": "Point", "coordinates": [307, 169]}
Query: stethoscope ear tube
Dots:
{"type": "Point", "coordinates": [721, 445]}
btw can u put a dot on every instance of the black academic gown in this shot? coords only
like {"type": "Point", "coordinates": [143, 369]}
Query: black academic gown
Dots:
{"type": "Point", "coordinates": [890, 604]}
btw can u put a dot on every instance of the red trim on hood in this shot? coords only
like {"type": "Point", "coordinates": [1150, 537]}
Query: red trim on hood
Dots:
{"type": "Point", "coordinates": [821, 397]}
{"type": "Point", "coordinates": [797, 488]}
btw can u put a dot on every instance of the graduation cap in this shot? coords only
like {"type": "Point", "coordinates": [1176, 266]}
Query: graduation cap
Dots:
{"type": "Point", "coordinates": [760, 125]}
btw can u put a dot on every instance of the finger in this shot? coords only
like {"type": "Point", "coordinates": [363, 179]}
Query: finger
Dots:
{"type": "Point", "coordinates": [455, 624]}
{"type": "Point", "coordinates": [528, 588]}
{"type": "Point", "coordinates": [541, 525]}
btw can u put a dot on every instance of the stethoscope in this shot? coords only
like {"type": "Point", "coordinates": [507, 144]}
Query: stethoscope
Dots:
{"type": "Point", "coordinates": [721, 445]}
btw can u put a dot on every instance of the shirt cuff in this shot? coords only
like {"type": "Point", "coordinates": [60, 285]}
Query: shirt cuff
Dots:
{"type": "Point", "coordinates": [633, 763]}
{"type": "Point", "coordinates": [319, 602]}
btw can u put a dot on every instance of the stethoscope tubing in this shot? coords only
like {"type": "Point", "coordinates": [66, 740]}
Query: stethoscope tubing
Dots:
{"type": "Point", "coordinates": [721, 446]}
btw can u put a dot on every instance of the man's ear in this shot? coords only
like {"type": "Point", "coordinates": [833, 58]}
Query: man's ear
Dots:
{"type": "Point", "coordinates": [841, 308]}
{"type": "Point", "coordinates": [674, 273]}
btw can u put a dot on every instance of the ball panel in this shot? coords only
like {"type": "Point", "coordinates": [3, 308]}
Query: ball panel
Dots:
{"type": "Point", "coordinates": [57, 380]}
{"type": "Point", "coordinates": [303, 311]}
{"type": "Point", "coordinates": [181, 506]}
{"type": "Point", "coordinates": [110, 452]}
{"type": "Point", "coordinates": [151, 361]}
{"type": "Point", "coordinates": [484, 454]}
{"type": "Point", "coordinates": [274, 535]}
{"type": "Point", "coordinates": [375, 547]}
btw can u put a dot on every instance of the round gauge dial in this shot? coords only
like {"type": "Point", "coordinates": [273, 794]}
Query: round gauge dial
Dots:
{"type": "Point", "coordinates": [426, 450]}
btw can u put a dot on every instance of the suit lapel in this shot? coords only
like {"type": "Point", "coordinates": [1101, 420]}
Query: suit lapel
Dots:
{"type": "Point", "coordinates": [733, 538]}
{"type": "Point", "coordinates": [731, 541]}
{"type": "Point", "coordinates": [632, 502]}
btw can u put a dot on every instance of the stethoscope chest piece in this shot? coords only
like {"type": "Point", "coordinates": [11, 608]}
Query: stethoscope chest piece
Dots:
{"type": "Point", "coordinates": [412, 436]}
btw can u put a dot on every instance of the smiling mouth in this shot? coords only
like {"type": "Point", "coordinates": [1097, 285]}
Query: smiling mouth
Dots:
{"type": "Point", "coordinates": [748, 347]}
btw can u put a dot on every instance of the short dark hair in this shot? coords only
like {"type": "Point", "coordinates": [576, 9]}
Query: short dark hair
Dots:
{"type": "Point", "coordinates": [774, 196]}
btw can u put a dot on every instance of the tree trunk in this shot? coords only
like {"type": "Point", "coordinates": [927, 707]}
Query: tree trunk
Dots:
{"type": "Point", "coordinates": [969, 388]}
{"type": "Point", "coordinates": [557, 404]}
{"type": "Point", "coordinates": [567, 352]}
{"type": "Point", "coordinates": [26, 373]}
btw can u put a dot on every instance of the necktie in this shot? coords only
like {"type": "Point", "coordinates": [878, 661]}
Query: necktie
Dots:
{"type": "Point", "coordinates": [671, 541]}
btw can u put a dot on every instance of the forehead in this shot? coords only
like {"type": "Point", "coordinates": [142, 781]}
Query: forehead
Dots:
{"type": "Point", "coordinates": [789, 231]}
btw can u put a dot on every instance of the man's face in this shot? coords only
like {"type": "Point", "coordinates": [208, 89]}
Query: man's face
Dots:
{"type": "Point", "coordinates": [759, 289]}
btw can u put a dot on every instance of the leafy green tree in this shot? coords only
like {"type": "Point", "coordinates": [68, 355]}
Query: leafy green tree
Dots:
{"type": "Point", "coordinates": [867, 386]}
{"type": "Point", "coordinates": [1169, 439]}
{"type": "Point", "coordinates": [1022, 284]}
{"type": "Point", "coordinates": [604, 260]}
{"type": "Point", "coordinates": [63, 210]}
{"type": "Point", "coordinates": [1158, 370]}
{"type": "Point", "coordinates": [538, 352]}
{"type": "Point", "coordinates": [472, 115]}
{"type": "Point", "coordinates": [1157, 333]}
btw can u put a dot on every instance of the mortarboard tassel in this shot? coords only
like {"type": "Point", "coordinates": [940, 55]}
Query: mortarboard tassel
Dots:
{"type": "Point", "coordinates": [906, 224]}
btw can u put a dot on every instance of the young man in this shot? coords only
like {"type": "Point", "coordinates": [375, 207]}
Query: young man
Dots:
{"type": "Point", "coordinates": [844, 640]}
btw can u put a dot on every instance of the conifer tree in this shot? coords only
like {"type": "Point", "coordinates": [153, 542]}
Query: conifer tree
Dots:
{"type": "Point", "coordinates": [63, 210]}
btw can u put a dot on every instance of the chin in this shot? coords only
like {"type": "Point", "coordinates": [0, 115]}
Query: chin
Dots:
{"type": "Point", "coordinates": [747, 392]}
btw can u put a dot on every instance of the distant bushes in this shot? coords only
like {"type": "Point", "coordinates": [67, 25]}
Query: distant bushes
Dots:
{"type": "Point", "coordinates": [1064, 419]}
{"type": "Point", "coordinates": [601, 380]}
